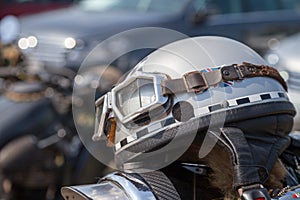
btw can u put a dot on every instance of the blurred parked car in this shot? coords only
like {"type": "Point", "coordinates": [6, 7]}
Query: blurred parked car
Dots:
{"type": "Point", "coordinates": [66, 36]}
{"type": "Point", "coordinates": [284, 55]}
{"type": "Point", "coordinates": [23, 7]}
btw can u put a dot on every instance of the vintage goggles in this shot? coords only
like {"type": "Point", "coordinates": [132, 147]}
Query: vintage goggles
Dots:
{"type": "Point", "coordinates": [132, 100]}
{"type": "Point", "coordinates": [129, 101]}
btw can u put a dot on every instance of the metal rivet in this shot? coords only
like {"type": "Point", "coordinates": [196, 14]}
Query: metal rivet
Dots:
{"type": "Point", "coordinates": [251, 69]}
{"type": "Point", "coordinates": [226, 73]}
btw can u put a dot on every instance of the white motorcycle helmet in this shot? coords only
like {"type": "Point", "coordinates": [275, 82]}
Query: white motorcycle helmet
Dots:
{"type": "Point", "coordinates": [183, 84]}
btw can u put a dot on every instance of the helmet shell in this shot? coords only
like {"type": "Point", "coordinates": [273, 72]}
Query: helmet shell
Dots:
{"type": "Point", "coordinates": [206, 53]}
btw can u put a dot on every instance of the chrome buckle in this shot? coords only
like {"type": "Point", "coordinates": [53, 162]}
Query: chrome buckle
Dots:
{"type": "Point", "coordinates": [195, 81]}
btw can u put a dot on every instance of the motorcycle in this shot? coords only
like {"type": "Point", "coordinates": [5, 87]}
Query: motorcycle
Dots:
{"type": "Point", "coordinates": [40, 149]}
{"type": "Point", "coordinates": [181, 180]}
{"type": "Point", "coordinates": [165, 148]}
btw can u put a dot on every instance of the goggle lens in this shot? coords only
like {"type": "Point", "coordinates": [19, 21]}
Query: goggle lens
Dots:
{"type": "Point", "coordinates": [130, 102]}
{"type": "Point", "coordinates": [136, 95]}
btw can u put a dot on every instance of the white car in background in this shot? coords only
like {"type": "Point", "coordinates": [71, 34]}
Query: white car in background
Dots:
{"type": "Point", "coordinates": [285, 56]}
{"type": "Point", "coordinates": [65, 37]}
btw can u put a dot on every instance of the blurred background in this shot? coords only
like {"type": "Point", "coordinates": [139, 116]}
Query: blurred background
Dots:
{"type": "Point", "coordinates": [44, 42]}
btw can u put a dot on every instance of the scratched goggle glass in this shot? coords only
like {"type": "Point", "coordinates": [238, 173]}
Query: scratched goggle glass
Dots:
{"type": "Point", "coordinates": [133, 101]}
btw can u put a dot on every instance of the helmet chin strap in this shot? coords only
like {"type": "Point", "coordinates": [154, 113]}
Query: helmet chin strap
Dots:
{"type": "Point", "coordinates": [252, 157]}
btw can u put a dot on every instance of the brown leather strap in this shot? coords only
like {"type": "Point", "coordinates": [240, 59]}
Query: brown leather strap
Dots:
{"type": "Point", "coordinates": [197, 82]}
{"type": "Point", "coordinates": [112, 132]}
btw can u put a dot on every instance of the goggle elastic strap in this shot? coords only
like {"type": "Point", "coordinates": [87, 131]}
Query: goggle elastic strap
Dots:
{"type": "Point", "coordinates": [197, 82]}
